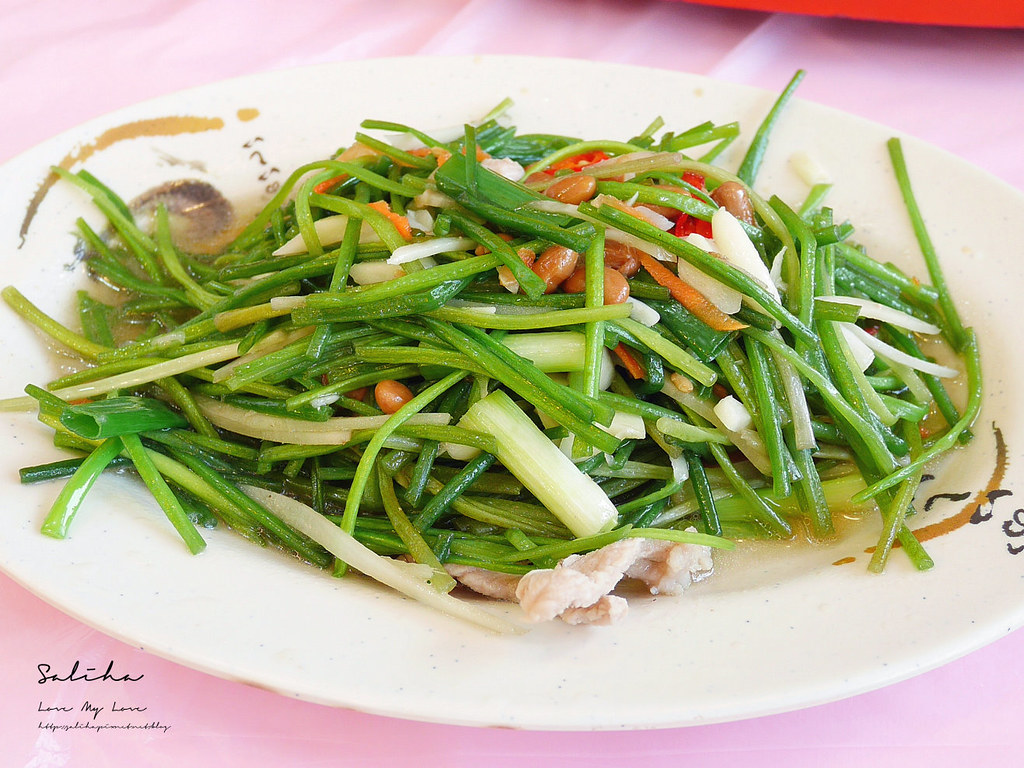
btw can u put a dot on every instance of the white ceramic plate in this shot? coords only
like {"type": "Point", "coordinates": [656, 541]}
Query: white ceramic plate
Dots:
{"type": "Point", "coordinates": [768, 633]}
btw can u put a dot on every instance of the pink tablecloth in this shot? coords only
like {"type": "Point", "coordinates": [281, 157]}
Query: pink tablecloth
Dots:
{"type": "Point", "coordinates": [62, 63]}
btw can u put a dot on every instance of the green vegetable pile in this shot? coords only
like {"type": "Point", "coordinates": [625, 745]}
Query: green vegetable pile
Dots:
{"type": "Point", "coordinates": [537, 422]}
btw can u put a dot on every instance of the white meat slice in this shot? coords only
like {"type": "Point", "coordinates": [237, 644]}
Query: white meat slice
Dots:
{"type": "Point", "coordinates": [605, 611]}
{"type": "Point", "coordinates": [668, 567]}
{"type": "Point", "coordinates": [494, 584]}
{"type": "Point", "coordinates": [577, 590]}
{"type": "Point", "coordinates": [578, 581]}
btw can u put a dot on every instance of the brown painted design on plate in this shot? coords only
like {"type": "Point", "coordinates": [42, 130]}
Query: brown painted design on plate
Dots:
{"type": "Point", "coordinates": [157, 126]}
{"type": "Point", "coordinates": [963, 517]}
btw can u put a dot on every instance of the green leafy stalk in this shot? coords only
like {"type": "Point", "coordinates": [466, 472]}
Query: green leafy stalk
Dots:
{"type": "Point", "coordinates": [755, 153]}
{"type": "Point", "coordinates": [162, 493]}
{"type": "Point", "coordinates": [957, 333]}
{"type": "Point", "coordinates": [70, 499]}
{"type": "Point", "coordinates": [116, 416]}
{"type": "Point", "coordinates": [399, 417]}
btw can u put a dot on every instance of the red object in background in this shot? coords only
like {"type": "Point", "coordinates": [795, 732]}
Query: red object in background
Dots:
{"type": "Point", "coordinates": [977, 13]}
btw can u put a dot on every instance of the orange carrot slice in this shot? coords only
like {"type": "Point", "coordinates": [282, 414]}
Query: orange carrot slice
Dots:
{"type": "Point", "coordinates": [440, 153]}
{"type": "Point", "coordinates": [326, 186]}
{"type": "Point", "coordinates": [631, 364]}
{"type": "Point", "coordinates": [480, 154]}
{"type": "Point", "coordinates": [401, 222]}
{"type": "Point", "coordinates": [354, 152]}
{"type": "Point", "coordinates": [688, 296]}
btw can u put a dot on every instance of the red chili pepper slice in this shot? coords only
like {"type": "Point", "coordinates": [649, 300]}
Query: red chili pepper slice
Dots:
{"type": "Point", "coordinates": [694, 179]}
{"type": "Point", "coordinates": [576, 162]}
{"type": "Point", "coordinates": [687, 224]}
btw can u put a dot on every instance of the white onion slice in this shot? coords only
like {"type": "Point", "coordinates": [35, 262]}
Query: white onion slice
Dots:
{"type": "Point", "coordinates": [607, 371]}
{"type": "Point", "coordinates": [661, 222]}
{"type": "Point", "coordinates": [909, 377]}
{"type": "Point", "coordinates": [862, 353]}
{"type": "Point", "coordinates": [322, 400]}
{"type": "Point", "coordinates": [809, 169]}
{"type": "Point", "coordinates": [792, 385]}
{"type": "Point", "coordinates": [507, 280]}
{"type": "Point", "coordinates": [776, 270]}
{"type": "Point", "coordinates": [432, 247]}
{"type": "Point", "coordinates": [555, 206]}
{"type": "Point", "coordinates": [639, 243]}
{"type": "Point", "coordinates": [733, 413]}
{"type": "Point", "coordinates": [748, 441]}
{"type": "Point", "coordinates": [420, 219]}
{"type": "Point", "coordinates": [403, 141]}
{"type": "Point", "coordinates": [736, 248]}
{"type": "Point", "coordinates": [432, 198]}
{"type": "Point", "coordinates": [641, 211]}
{"type": "Point", "coordinates": [680, 469]}
{"type": "Point", "coordinates": [726, 298]}
{"type": "Point", "coordinates": [459, 452]}
{"type": "Point", "coordinates": [408, 141]}
{"type": "Point", "coordinates": [329, 230]}
{"type": "Point", "coordinates": [718, 293]}
{"type": "Point", "coordinates": [885, 314]}
{"type": "Point", "coordinates": [407, 578]}
{"type": "Point", "coordinates": [626, 426]}
{"type": "Point", "coordinates": [642, 313]}
{"type": "Point", "coordinates": [706, 244]}
{"type": "Point", "coordinates": [890, 352]}
{"type": "Point", "coordinates": [370, 272]}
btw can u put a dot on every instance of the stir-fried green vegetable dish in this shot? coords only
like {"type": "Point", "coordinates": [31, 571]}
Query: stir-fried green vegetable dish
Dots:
{"type": "Point", "coordinates": [504, 348]}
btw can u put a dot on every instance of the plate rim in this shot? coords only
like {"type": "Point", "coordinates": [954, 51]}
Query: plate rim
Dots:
{"type": "Point", "coordinates": [60, 139]}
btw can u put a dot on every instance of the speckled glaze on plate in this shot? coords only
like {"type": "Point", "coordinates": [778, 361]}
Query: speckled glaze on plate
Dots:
{"type": "Point", "coordinates": [774, 630]}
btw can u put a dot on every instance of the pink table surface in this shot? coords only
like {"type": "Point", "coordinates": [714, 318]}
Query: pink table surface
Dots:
{"type": "Point", "coordinates": [62, 63]}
